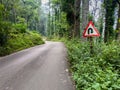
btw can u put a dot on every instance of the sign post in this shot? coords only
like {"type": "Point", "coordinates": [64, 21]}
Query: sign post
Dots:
{"type": "Point", "coordinates": [90, 32]}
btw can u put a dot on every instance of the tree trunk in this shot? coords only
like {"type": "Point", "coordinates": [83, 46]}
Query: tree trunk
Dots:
{"type": "Point", "coordinates": [109, 20]}
{"type": "Point", "coordinates": [118, 25]}
{"type": "Point", "coordinates": [49, 22]}
{"type": "Point", "coordinates": [85, 12]}
{"type": "Point", "coordinates": [77, 18]}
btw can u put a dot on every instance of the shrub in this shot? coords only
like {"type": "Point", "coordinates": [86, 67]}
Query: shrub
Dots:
{"type": "Point", "coordinates": [20, 27]}
{"type": "Point", "coordinates": [97, 72]}
{"type": "Point", "coordinates": [5, 28]}
{"type": "Point", "coordinates": [21, 41]}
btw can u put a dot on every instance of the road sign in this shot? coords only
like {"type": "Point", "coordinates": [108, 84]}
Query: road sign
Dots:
{"type": "Point", "coordinates": [90, 30]}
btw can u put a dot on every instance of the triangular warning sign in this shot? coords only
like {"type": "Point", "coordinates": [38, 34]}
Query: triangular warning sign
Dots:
{"type": "Point", "coordinates": [90, 30]}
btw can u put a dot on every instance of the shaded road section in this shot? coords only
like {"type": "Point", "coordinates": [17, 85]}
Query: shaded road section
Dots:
{"type": "Point", "coordinates": [42, 67]}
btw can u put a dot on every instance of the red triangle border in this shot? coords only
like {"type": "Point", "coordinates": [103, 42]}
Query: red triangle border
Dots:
{"type": "Point", "coordinates": [91, 23]}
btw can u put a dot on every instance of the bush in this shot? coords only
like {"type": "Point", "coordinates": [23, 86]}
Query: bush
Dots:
{"type": "Point", "coordinates": [20, 27]}
{"type": "Point", "coordinates": [5, 28]}
{"type": "Point", "coordinates": [99, 71]}
{"type": "Point", "coordinates": [21, 41]}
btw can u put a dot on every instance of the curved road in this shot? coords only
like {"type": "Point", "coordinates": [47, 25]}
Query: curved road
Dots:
{"type": "Point", "coordinates": [42, 67]}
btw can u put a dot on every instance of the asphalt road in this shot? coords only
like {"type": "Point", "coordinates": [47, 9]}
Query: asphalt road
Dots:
{"type": "Point", "coordinates": [42, 67]}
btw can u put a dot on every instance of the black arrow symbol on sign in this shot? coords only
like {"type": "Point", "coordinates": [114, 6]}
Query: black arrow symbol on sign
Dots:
{"type": "Point", "coordinates": [90, 30]}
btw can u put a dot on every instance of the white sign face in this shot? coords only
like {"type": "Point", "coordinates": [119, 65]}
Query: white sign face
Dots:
{"type": "Point", "coordinates": [90, 30]}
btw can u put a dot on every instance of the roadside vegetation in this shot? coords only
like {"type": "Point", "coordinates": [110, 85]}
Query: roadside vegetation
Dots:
{"type": "Point", "coordinates": [16, 37]}
{"type": "Point", "coordinates": [99, 71]}
{"type": "Point", "coordinates": [19, 25]}
{"type": "Point", "coordinates": [21, 20]}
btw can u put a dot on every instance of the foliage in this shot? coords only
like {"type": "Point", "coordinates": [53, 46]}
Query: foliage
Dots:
{"type": "Point", "coordinates": [63, 24]}
{"type": "Point", "coordinates": [1, 10]}
{"type": "Point", "coordinates": [20, 27]}
{"type": "Point", "coordinates": [68, 7]}
{"type": "Point", "coordinates": [64, 18]}
{"type": "Point", "coordinates": [16, 18]}
{"type": "Point", "coordinates": [97, 72]}
{"type": "Point", "coordinates": [5, 28]}
{"type": "Point", "coordinates": [27, 10]}
{"type": "Point", "coordinates": [21, 41]}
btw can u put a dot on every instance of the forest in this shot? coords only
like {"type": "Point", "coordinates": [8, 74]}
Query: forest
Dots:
{"type": "Point", "coordinates": [19, 23]}
{"type": "Point", "coordinates": [94, 61]}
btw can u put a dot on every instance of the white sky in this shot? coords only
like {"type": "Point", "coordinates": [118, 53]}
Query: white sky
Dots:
{"type": "Point", "coordinates": [44, 1]}
{"type": "Point", "coordinates": [45, 6]}
{"type": "Point", "coordinates": [95, 8]}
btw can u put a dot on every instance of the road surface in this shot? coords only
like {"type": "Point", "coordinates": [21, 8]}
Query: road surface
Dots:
{"type": "Point", "coordinates": [42, 67]}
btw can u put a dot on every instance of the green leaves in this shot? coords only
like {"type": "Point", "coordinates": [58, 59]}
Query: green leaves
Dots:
{"type": "Point", "coordinates": [20, 27]}
{"type": "Point", "coordinates": [21, 41]}
{"type": "Point", "coordinates": [96, 86]}
{"type": "Point", "coordinates": [99, 72]}
{"type": "Point", "coordinates": [1, 10]}
{"type": "Point", "coordinates": [5, 28]}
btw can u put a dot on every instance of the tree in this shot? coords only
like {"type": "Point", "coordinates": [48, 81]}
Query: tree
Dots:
{"type": "Point", "coordinates": [118, 21]}
{"type": "Point", "coordinates": [85, 13]}
{"type": "Point", "coordinates": [18, 15]}
{"type": "Point", "coordinates": [77, 18]}
{"type": "Point", "coordinates": [109, 19]}
{"type": "Point", "coordinates": [72, 9]}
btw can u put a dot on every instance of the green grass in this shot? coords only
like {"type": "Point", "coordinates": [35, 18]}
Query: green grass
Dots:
{"type": "Point", "coordinates": [100, 71]}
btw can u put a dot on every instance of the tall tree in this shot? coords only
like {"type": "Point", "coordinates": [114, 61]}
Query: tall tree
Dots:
{"type": "Point", "coordinates": [68, 8]}
{"type": "Point", "coordinates": [72, 9]}
{"type": "Point", "coordinates": [85, 13]}
{"type": "Point", "coordinates": [109, 19]}
{"type": "Point", "coordinates": [77, 18]}
{"type": "Point", "coordinates": [118, 21]}
{"type": "Point", "coordinates": [49, 22]}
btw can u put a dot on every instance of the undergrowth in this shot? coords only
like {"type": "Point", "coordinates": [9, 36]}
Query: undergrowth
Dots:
{"type": "Point", "coordinates": [20, 41]}
{"type": "Point", "coordinates": [100, 71]}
